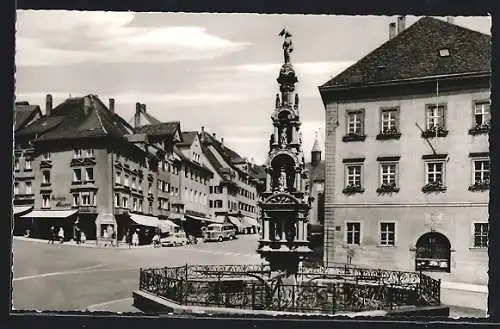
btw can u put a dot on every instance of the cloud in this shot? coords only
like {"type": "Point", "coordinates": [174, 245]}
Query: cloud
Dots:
{"type": "Point", "coordinates": [63, 37]}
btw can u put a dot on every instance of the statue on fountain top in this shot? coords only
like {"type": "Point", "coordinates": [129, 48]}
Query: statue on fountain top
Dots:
{"type": "Point", "coordinates": [287, 45]}
{"type": "Point", "coordinates": [282, 180]}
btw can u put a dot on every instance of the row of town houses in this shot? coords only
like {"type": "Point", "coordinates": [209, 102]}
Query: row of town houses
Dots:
{"type": "Point", "coordinates": [80, 164]}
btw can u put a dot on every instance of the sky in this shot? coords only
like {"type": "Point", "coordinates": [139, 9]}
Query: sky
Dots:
{"type": "Point", "coordinates": [213, 70]}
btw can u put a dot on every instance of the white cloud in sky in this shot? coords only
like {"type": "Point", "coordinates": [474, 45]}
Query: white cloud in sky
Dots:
{"type": "Point", "coordinates": [108, 37]}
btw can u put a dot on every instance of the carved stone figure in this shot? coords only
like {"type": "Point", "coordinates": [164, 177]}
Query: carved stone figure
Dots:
{"type": "Point", "coordinates": [282, 180]}
{"type": "Point", "coordinates": [283, 138]}
{"type": "Point", "coordinates": [287, 45]}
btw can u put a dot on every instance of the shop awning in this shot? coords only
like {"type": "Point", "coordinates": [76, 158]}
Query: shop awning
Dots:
{"type": "Point", "coordinates": [21, 210]}
{"type": "Point", "coordinates": [166, 225]}
{"type": "Point", "coordinates": [143, 220]}
{"type": "Point", "coordinates": [50, 214]}
{"type": "Point", "coordinates": [249, 221]}
{"type": "Point", "coordinates": [236, 222]}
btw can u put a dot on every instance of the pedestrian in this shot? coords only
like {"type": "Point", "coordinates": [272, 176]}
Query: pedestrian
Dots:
{"type": "Point", "coordinates": [83, 238]}
{"type": "Point", "coordinates": [78, 235]}
{"type": "Point", "coordinates": [129, 238]}
{"type": "Point", "coordinates": [105, 237]}
{"type": "Point", "coordinates": [61, 235]}
{"type": "Point", "coordinates": [135, 239]}
{"type": "Point", "coordinates": [52, 235]}
{"type": "Point", "coordinates": [113, 237]}
{"type": "Point", "coordinates": [156, 240]}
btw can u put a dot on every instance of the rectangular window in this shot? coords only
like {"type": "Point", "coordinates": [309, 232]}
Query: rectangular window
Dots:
{"type": "Point", "coordinates": [134, 204]}
{"type": "Point", "coordinates": [28, 188]}
{"type": "Point", "coordinates": [140, 205]}
{"type": "Point", "coordinates": [16, 164]}
{"type": "Point", "coordinates": [434, 173]}
{"type": "Point", "coordinates": [77, 175]}
{"type": "Point", "coordinates": [16, 188]}
{"type": "Point", "coordinates": [481, 171]}
{"type": "Point", "coordinates": [27, 164]}
{"type": "Point", "coordinates": [86, 199]}
{"type": "Point", "coordinates": [124, 202]}
{"type": "Point", "coordinates": [139, 185]}
{"type": "Point", "coordinates": [150, 206]}
{"type": "Point", "coordinates": [77, 153]}
{"type": "Point", "coordinates": [134, 183]}
{"type": "Point", "coordinates": [76, 199]}
{"type": "Point", "coordinates": [46, 177]}
{"type": "Point", "coordinates": [388, 174]}
{"type": "Point", "coordinates": [118, 178]}
{"type": "Point", "coordinates": [353, 175]}
{"type": "Point", "coordinates": [46, 156]}
{"type": "Point", "coordinates": [126, 181]}
{"type": "Point", "coordinates": [435, 117]}
{"type": "Point", "coordinates": [387, 232]}
{"type": "Point", "coordinates": [481, 235]}
{"type": "Point", "coordinates": [355, 122]}
{"type": "Point", "coordinates": [89, 174]}
{"type": "Point", "coordinates": [389, 120]}
{"type": "Point", "coordinates": [117, 200]}
{"type": "Point", "coordinates": [150, 188]}
{"type": "Point", "coordinates": [353, 233]}
{"type": "Point", "coordinates": [45, 200]}
{"type": "Point", "coordinates": [482, 114]}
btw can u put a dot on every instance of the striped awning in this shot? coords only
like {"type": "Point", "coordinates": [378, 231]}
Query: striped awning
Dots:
{"type": "Point", "coordinates": [204, 219]}
{"type": "Point", "coordinates": [166, 225]}
{"type": "Point", "coordinates": [49, 214]}
{"type": "Point", "coordinates": [236, 222]}
{"type": "Point", "coordinates": [21, 210]}
{"type": "Point", "coordinates": [249, 221]}
{"type": "Point", "coordinates": [143, 220]}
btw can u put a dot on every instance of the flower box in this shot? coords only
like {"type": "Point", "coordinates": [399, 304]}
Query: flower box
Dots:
{"type": "Point", "coordinates": [435, 131]}
{"type": "Point", "coordinates": [480, 186]}
{"type": "Point", "coordinates": [352, 189]}
{"type": "Point", "coordinates": [480, 129]}
{"type": "Point", "coordinates": [391, 133]}
{"type": "Point", "coordinates": [352, 137]}
{"type": "Point", "coordinates": [388, 188]}
{"type": "Point", "coordinates": [433, 187]}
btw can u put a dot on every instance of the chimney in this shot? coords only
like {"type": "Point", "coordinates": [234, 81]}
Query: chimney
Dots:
{"type": "Point", "coordinates": [392, 30]}
{"type": "Point", "coordinates": [222, 142]}
{"type": "Point", "coordinates": [401, 23]}
{"type": "Point", "coordinates": [143, 108]}
{"type": "Point", "coordinates": [213, 134]}
{"type": "Point", "coordinates": [48, 104]}
{"type": "Point", "coordinates": [112, 105]}
{"type": "Point", "coordinates": [86, 104]}
{"type": "Point", "coordinates": [450, 19]}
{"type": "Point", "coordinates": [137, 115]}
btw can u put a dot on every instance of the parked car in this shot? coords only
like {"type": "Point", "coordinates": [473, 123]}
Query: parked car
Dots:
{"type": "Point", "coordinates": [220, 232]}
{"type": "Point", "coordinates": [174, 239]}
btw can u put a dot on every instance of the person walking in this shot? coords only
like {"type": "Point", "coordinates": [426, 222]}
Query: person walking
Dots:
{"type": "Point", "coordinates": [52, 235]}
{"type": "Point", "coordinates": [61, 235]}
{"type": "Point", "coordinates": [83, 237]}
{"type": "Point", "coordinates": [105, 237]}
{"type": "Point", "coordinates": [135, 239]}
{"type": "Point", "coordinates": [156, 240]}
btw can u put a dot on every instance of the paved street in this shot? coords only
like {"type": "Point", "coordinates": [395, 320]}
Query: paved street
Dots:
{"type": "Point", "coordinates": [62, 277]}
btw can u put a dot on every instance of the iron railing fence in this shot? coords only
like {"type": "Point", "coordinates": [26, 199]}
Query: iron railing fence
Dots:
{"type": "Point", "coordinates": [342, 288]}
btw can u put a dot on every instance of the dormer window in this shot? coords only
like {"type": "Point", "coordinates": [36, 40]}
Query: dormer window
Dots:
{"type": "Point", "coordinates": [445, 52]}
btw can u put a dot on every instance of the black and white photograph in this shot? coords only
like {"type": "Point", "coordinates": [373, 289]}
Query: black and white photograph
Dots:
{"type": "Point", "coordinates": [251, 164]}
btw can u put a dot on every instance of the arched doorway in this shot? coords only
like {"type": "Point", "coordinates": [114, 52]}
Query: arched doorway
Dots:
{"type": "Point", "coordinates": [433, 253]}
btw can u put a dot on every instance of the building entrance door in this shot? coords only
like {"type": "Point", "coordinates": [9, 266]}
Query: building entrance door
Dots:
{"type": "Point", "coordinates": [433, 253]}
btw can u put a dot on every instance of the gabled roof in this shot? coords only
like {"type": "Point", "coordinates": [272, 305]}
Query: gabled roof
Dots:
{"type": "Point", "coordinates": [160, 129]}
{"type": "Point", "coordinates": [79, 117]}
{"type": "Point", "coordinates": [317, 172]}
{"type": "Point", "coordinates": [415, 53]}
{"type": "Point", "coordinates": [188, 138]}
{"type": "Point", "coordinates": [24, 113]}
{"type": "Point", "coordinates": [185, 159]}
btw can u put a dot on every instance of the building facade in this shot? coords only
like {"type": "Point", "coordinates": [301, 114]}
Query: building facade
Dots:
{"type": "Point", "coordinates": [407, 162]}
{"type": "Point", "coordinates": [83, 168]}
{"type": "Point", "coordinates": [233, 189]}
